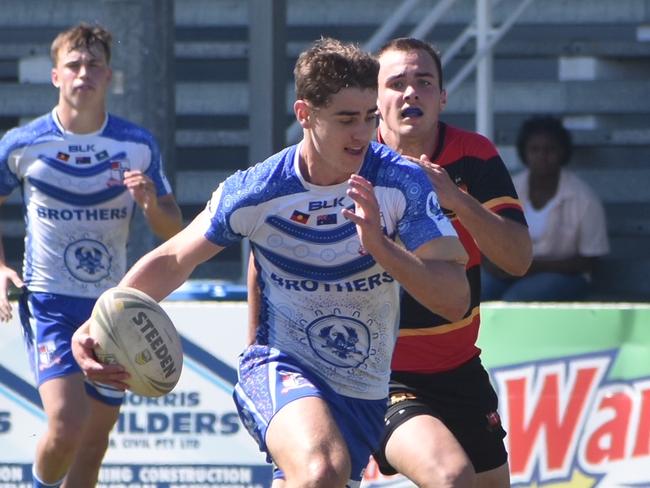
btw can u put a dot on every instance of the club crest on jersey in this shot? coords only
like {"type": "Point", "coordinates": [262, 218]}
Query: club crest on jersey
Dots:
{"type": "Point", "coordinates": [341, 341]}
{"type": "Point", "coordinates": [117, 168]}
{"type": "Point", "coordinates": [433, 208]}
{"type": "Point", "coordinates": [292, 381]}
{"type": "Point", "coordinates": [61, 156]}
{"type": "Point", "coordinates": [87, 260]}
{"type": "Point", "coordinates": [46, 356]}
{"type": "Point", "coordinates": [493, 421]}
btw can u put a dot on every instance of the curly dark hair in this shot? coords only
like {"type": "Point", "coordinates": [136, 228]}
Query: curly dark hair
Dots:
{"type": "Point", "coordinates": [330, 65]}
{"type": "Point", "coordinates": [410, 44]}
{"type": "Point", "coordinates": [82, 35]}
{"type": "Point", "coordinates": [550, 126]}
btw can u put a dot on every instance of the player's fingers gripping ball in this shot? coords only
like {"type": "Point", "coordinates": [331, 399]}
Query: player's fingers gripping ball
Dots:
{"type": "Point", "coordinates": [133, 330]}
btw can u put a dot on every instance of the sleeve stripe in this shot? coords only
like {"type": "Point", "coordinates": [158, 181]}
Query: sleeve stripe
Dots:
{"type": "Point", "coordinates": [503, 202]}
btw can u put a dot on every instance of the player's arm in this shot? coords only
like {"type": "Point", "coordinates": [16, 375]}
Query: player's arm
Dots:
{"type": "Point", "coordinates": [164, 269]}
{"type": "Point", "coordinates": [7, 275]}
{"type": "Point", "coordinates": [164, 218]}
{"type": "Point", "coordinates": [157, 274]}
{"type": "Point", "coordinates": [162, 212]}
{"type": "Point", "coordinates": [434, 274]}
{"type": "Point", "coordinates": [506, 243]}
{"type": "Point", "coordinates": [254, 300]}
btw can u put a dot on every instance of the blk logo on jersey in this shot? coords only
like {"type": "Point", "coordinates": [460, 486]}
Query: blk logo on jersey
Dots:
{"type": "Point", "coordinates": [76, 148]}
{"type": "Point", "coordinates": [319, 204]}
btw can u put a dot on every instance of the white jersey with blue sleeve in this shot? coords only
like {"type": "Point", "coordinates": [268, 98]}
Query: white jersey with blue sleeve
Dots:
{"type": "Point", "coordinates": [77, 209]}
{"type": "Point", "coordinates": [325, 301]}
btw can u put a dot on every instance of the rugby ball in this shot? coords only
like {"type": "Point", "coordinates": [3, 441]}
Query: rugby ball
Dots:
{"type": "Point", "coordinates": [133, 330]}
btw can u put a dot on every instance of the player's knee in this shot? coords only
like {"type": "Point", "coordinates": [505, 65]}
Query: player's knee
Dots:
{"type": "Point", "coordinates": [93, 452]}
{"type": "Point", "coordinates": [63, 438]}
{"type": "Point", "coordinates": [448, 475]}
{"type": "Point", "coordinates": [64, 432]}
{"type": "Point", "coordinates": [495, 478]}
{"type": "Point", "coordinates": [460, 477]}
{"type": "Point", "coordinates": [327, 472]}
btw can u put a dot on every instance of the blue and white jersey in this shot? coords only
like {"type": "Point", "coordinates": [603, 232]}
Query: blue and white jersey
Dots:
{"type": "Point", "coordinates": [325, 301]}
{"type": "Point", "coordinates": [77, 210]}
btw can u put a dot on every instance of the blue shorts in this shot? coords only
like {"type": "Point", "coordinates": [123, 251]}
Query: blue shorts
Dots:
{"type": "Point", "coordinates": [48, 322]}
{"type": "Point", "coordinates": [270, 379]}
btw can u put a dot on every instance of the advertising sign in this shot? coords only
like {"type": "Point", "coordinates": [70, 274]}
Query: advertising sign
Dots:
{"type": "Point", "coordinates": [574, 389]}
{"type": "Point", "coordinates": [573, 383]}
{"type": "Point", "coordinates": [191, 437]}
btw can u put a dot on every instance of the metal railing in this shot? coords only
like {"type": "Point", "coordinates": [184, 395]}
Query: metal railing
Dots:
{"type": "Point", "coordinates": [481, 29]}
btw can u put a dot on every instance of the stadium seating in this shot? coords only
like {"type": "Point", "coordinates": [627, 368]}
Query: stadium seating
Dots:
{"type": "Point", "coordinates": [584, 60]}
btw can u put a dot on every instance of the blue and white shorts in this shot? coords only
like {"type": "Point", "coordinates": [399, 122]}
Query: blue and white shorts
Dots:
{"type": "Point", "coordinates": [270, 379]}
{"type": "Point", "coordinates": [48, 322]}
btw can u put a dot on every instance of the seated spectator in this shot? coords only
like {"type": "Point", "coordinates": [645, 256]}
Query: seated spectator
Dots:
{"type": "Point", "coordinates": [566, 221]}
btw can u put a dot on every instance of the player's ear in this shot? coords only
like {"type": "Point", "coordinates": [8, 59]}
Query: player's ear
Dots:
{"type": "Point", "coordinates": [443, 99]}
{"type": "Point", "coordinates": [303, 112]}
{"type": "Point", "coordinates": [378, 112]}
{"type": "Point", "coordinates": [54, 76]}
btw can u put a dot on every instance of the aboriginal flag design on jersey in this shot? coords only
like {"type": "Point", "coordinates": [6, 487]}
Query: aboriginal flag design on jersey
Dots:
{"type": "Point", "coordinates": [429, 343]}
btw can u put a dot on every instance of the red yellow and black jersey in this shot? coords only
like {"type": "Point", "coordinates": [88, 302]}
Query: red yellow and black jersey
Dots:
{"type": "Point", "coordinates": [429, 343]}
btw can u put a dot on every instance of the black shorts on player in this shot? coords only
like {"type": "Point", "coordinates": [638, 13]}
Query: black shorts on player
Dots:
{"type": "Point", "coordinates": [462, 399]}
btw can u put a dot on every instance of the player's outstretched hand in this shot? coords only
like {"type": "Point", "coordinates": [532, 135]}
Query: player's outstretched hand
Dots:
{"type": "Point", "coordinates": [83, 351]}
{"type": "Point", "coordinates": [7, 275]}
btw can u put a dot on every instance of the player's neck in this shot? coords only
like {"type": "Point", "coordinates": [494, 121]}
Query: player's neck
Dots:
{"type": "Point", "coordinates": [315, 169]}
{"type": "Point", "coordinates": [80, 121]}
{"type": "Point", "coordinates": [413, 146]}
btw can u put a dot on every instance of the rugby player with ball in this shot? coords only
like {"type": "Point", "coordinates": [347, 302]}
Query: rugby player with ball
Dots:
{"type": "Point", "coordinates": [336, 223]}
{"type": "Point", "coordinates": [82, 173]}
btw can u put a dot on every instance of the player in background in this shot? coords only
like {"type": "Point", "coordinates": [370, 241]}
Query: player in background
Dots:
{"type": "Point", "coordinates": [324, 218]}
{"type": "Point", "coordinates": [82, 172]}
{"type": "Point", "coordinates": [442, 425]}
